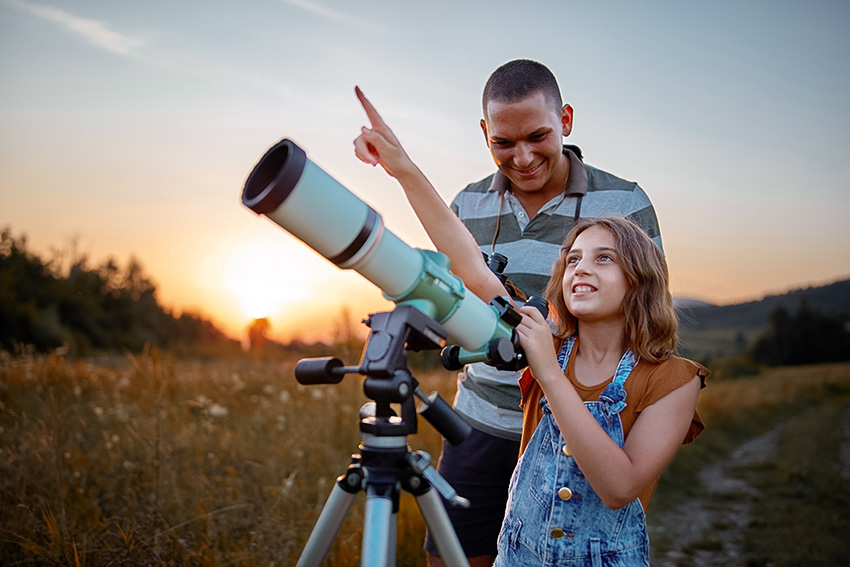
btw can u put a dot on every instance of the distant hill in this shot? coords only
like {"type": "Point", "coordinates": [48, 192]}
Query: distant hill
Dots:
{"type": "Point", "coordinates": [723, 330]}
{"type": "Point", "coordinates": [832, 300]}
{"type": "Point", "coordinates": [686, 302]}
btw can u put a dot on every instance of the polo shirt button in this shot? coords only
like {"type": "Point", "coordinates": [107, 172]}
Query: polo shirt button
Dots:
{"type": "Point", "coordinates": [565, 493]}
{"type": "Point", "coordinates": [557, 533]}
{"type": "Point", "coordinates": [566, 451]}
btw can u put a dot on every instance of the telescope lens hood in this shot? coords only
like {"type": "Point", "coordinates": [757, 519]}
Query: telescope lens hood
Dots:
{"type": "Point", "coordinates": [274, 177]}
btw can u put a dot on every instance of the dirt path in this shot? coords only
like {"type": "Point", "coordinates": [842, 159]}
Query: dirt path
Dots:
{"type": "Point", "coordinates": [709, 530]}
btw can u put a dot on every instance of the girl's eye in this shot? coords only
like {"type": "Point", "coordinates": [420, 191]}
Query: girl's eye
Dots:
{"type": "Point", "coordinates": [606, 258]}
{"type": "Point", "coordinates": [572, 260]}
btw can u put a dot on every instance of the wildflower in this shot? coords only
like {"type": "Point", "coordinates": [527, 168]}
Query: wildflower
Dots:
{"type": "Point", "coordinates": [217, 410]}
{"type": "Point", "coordinates": [287, 485]}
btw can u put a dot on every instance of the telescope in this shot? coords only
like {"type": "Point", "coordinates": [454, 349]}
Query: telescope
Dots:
{"type": "Point", "coordinates": [300, 197]}
{"type": "Point", "coordinates": [432, 307]}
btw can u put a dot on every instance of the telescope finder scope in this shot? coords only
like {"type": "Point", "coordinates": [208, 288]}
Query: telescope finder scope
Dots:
{"type": "Point", "coordinates": [300, 197]}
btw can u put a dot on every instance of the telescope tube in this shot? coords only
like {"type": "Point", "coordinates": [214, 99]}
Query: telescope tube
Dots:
{"type": "Point", "coordinates": [307, 202]}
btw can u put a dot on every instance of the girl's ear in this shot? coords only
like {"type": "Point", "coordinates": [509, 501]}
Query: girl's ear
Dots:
{"type": "Point", "coordinates": [566, 119]}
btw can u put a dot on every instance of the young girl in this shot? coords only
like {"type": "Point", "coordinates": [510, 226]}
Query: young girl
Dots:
{"type": "Point", "coordinates": [606, 404]}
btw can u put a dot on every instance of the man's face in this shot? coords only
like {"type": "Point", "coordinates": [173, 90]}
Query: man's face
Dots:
{"type": "Point", "coordinates": [525, 139]}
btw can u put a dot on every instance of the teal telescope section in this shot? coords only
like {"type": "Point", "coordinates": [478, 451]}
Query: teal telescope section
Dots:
{"type": "Point", "coordinates": [307, 202]}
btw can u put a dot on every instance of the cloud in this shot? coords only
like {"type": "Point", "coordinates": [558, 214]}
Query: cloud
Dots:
{"type": "Point", "coordinates": [95, 32]}
{"type": "Point", "coordinates": [99, 34]}
{"type": "Point", "coordinates": [329, 13]}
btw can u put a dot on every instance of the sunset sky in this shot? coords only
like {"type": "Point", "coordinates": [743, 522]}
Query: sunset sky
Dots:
{"type": "Point", "coordinates": [129, 128]}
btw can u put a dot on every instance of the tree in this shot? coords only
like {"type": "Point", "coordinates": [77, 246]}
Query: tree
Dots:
{"type": "Point", "coordinates": [27, 314]}
{"type": "Point", "coordinates": [64, 302]}
{"type": "Point", "coordinates": [806, 338]}
{"type": "Point", "coordinates": [257, 332]}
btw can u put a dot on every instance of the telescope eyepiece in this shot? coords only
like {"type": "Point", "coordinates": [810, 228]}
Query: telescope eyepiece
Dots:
{"type": "Point", "coordinates": [497, 262]}
{"type": "Point", "coordinates": [540, 303]}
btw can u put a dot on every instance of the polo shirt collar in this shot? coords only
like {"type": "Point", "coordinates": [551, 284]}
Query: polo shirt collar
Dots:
{"type": "Point", "coordinates": [576, 184]}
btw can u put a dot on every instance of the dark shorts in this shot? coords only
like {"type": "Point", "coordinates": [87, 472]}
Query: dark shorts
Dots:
{"type": "Point", "coordinates": [479, 469]}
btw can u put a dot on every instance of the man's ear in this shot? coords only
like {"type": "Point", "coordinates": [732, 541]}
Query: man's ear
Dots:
{"type": "Point", "coordinates": [486, 135]}
{"type": "Point", "coordinates": [566, 119]}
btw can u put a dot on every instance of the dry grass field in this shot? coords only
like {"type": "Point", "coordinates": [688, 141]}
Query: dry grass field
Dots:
{"type": "Point", "coordinates": [152, 461]}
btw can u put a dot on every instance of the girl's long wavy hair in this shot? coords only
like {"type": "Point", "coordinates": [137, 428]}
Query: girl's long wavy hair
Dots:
{"type": "Point", "coordinates": [651, 329]}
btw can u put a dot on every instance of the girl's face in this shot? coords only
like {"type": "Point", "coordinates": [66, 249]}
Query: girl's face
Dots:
{"type": "Point", "coordinates": [594, 283]}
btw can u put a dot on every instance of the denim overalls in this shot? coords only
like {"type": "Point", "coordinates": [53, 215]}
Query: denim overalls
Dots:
{"type": "Point", "coordinates": [553, 515]}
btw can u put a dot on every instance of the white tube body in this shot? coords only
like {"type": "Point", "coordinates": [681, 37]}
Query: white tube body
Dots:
{"type": "Point", "coordinates": [329, 218]}
{"type": "Point", "coordinates": [307, 202]}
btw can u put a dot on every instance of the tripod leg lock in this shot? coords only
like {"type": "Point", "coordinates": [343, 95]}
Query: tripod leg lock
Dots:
{"type": "Point", "coordinates": [420, 462]}
{"type": "Point", "coordinates": [352, 480]}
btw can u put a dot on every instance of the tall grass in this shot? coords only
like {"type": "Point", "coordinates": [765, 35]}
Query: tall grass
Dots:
{"type": "Point", "coordinates": [727, 399]}
{"type": "Point", "coordinates": [151, 461]}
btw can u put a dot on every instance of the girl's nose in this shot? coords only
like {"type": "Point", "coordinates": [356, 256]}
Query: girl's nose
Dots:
{"type": "Point", "coordinates": [583, 266]}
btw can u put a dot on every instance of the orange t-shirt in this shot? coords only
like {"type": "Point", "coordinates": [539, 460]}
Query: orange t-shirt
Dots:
{"type": "Point", "coordinates": [647, 383]}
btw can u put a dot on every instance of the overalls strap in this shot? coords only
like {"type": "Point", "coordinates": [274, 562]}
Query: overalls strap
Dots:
{"type": "Point", "coordinates": [614, 396]}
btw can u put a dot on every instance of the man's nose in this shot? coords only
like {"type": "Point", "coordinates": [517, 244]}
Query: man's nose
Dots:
{"type": "Point", "coordinates": [523, 156]}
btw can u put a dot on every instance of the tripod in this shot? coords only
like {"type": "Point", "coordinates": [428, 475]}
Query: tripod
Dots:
{"type": "Point", "coordinates": [385, 463]}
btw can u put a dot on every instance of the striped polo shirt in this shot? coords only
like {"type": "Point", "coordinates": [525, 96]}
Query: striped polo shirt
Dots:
{"type": "Point", "coordinates": [488, 398]}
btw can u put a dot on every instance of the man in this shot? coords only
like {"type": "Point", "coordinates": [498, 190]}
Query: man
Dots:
{"type": "Point", "coordinates": [523, 211]}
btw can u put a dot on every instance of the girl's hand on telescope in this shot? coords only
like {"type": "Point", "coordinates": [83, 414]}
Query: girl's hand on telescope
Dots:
{"type": "Point", "coordinates": [378, 145]}
{"type": "Point", "coordinates": [535, 336]}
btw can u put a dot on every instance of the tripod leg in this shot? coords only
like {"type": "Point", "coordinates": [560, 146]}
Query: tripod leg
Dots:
{"type": "Point", "coordinates": [326, 528]}
{"type": "Point", "coordinates": [393, 539]}
{"type": "Point", "coordinates": [441, 528]}
{"type": "Point", "coordinates": [378, 531]}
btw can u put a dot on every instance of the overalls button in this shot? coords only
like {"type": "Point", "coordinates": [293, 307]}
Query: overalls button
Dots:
{"type": "Point", "coordinates": [566, 451]}
{"type": "Point", "coordinates": [565, 493]}
{"type": "Point", "coordinates": [557, 533]}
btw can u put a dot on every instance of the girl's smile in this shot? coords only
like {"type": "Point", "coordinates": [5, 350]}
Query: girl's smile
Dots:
{"type": "Point", "coordinates": [583, 288]}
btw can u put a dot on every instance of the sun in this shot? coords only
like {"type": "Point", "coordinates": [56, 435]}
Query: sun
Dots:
{"type": "Point", "coordinates": [256, 274]}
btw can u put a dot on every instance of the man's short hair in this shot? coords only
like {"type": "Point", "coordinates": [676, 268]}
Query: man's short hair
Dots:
{"type": "Point", "coordinates": [516, 80]}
